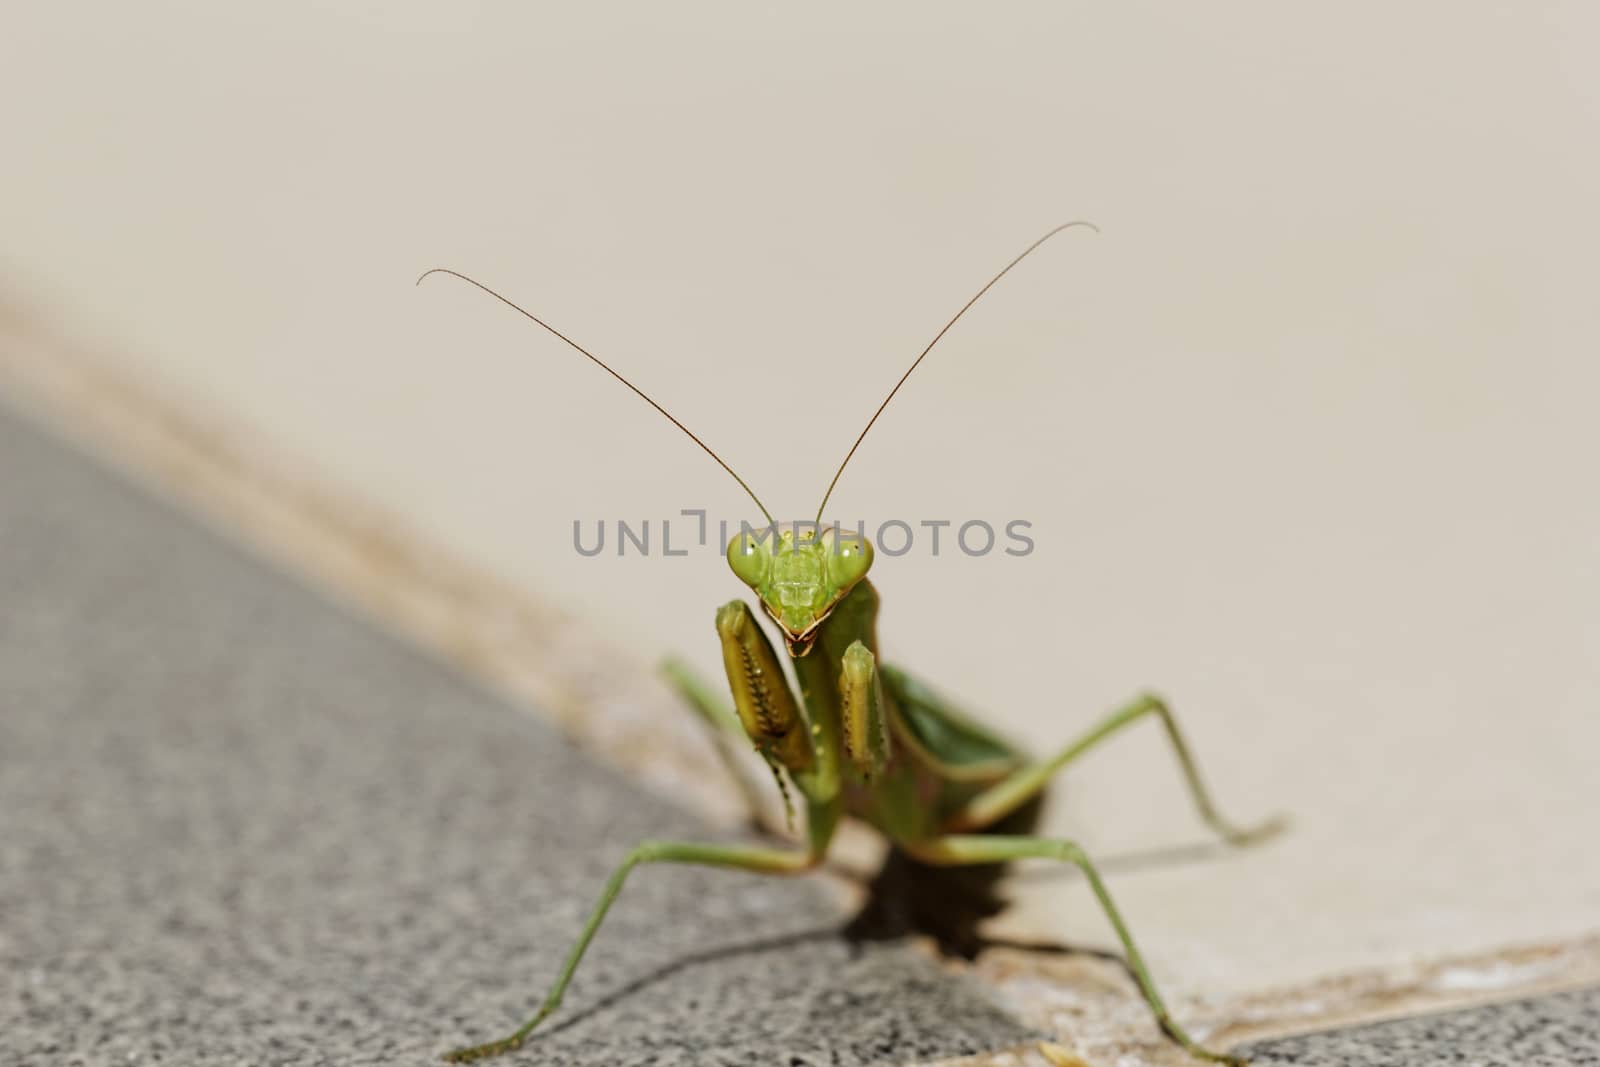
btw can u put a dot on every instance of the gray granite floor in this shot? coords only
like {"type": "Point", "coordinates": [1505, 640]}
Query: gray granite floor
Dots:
{"type": "Point", "coordinates": [1554, 1031]}
{"type": "Point", "coordinates": [240, 827]}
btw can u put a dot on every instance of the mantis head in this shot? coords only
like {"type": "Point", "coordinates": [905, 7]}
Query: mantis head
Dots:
{"type": "Point", "coordinates": [800, 578]}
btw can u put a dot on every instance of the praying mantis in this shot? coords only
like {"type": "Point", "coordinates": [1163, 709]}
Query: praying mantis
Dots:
{"type": "Point", "coordinates": [864, 739]}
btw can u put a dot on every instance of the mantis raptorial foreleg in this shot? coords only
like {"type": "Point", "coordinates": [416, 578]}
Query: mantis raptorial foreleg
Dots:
{"type": "Point", "coordinates": [763, 860]}
{"type": "Point", "coordinates": [964, 849]}
{"type": "Point", "coordinates": [766, 706]}
{"type": "Point", "coordinates": [863, 722]}
{"type": "Point", "coordinates": [999, 800]}
{"type": "Point", "coordinates": [727, 735]}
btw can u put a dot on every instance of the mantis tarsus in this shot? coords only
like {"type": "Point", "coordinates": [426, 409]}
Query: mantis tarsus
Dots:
{"type": "Point", "coordinates": [864, 740]}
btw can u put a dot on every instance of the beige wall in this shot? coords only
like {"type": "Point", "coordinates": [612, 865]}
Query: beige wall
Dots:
{"type": "Point", "coordinates": [1306, 434]}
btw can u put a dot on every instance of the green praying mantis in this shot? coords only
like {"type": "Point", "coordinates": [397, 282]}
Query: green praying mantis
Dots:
{"type": "Point", "coordinates": [864, 739]}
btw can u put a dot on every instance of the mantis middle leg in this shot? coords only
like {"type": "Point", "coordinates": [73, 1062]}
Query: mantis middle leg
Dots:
{"type": "Point", "coordinates": [999, 800]}
{"type": "Point", "coordinates": [768, 861]}
{"type": "Point", "coordinates": [965, 849]}
{"type": "Point", "coordinates": [727, 736]}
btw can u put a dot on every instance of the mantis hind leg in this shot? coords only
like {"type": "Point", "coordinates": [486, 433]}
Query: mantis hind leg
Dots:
{"type": "Point", "coordinates": [768, 861]}
{"type": "Point", "coordinates": [965, 849]}
{"type": "Point", "coordinates": [1015, 790]}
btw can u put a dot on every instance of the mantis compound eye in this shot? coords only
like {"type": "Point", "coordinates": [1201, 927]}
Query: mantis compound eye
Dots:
{"type": "Point", "coordinates": [750, 559]}
{"type": "Point", "coordinates": [848, 555]}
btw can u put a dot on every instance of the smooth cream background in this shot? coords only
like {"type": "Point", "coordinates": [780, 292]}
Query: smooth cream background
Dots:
{"type": "Point", "coordinates": [1305, 434]}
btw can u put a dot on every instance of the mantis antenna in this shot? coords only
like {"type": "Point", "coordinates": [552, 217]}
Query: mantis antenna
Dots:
{"type": "Point", "coordinates": [605, 367]}
{"type": "Point", "coordinates": [936, 337]}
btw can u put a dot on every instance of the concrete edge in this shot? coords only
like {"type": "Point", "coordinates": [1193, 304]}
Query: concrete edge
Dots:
{"type": "Point", "coordinates": [1094, 1011]}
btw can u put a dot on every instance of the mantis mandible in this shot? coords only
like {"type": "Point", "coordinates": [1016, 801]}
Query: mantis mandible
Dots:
{"type": "Point", "coordinates": [864, 739]}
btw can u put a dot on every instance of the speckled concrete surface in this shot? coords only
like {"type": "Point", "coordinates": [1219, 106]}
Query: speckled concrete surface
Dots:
{"type": "Point", "coordinates": [1555, 1031]}
{"type": "Point", "coordinates": [240, 827]}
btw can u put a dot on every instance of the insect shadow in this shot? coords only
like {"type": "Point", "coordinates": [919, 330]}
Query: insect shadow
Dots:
{"type": "Point", "coordinates": [776, 943]}
{"type": "Point", "coordinates": [814, 935]}
{"type": "Point", "coordinates": [908, 898]}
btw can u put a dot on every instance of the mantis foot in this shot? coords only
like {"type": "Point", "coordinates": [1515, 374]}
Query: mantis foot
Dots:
{"type": "Point", "coordinates": [494, 1048]}
{"type": "Point", "coordinates": [1256, 834]}
{"type": "Point", "coordinates": [483, 1052]}
{"type": "Point", "coordinates": [1199, 1052]}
